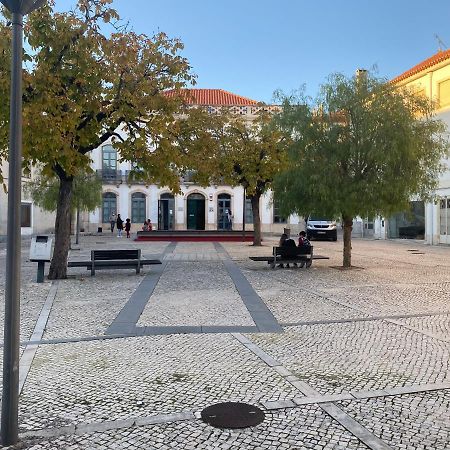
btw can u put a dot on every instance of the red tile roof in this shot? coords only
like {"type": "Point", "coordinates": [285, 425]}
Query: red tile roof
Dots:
{"type": "Point", "coordinates": [435, 59]}
{"type": "Point", "coordinates": [212, 97]}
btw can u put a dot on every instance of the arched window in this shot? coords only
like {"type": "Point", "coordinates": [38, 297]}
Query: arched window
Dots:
{"type": "Point", "coordinates": [138, 209]}
{"type": "Point", "coordinates": [109, 206]}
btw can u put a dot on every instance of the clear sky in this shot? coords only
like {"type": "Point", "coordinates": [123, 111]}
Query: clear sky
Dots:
{"type": "Point", "coordinates": [252, 47]}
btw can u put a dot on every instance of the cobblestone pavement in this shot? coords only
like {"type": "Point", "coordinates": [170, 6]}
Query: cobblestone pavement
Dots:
{"type": "Point", "coordinates": [362, 361]}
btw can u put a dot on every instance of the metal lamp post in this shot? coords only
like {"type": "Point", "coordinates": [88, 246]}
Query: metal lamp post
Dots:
{"type": "Point", "coordinates": [10, 399]}
{"type": "Point", "coordinates": [243, 216]}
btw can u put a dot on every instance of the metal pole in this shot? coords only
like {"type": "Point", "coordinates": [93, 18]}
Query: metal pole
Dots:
{"type": "Point", "coordinates": [243, 218]}
{"type": "Point", "coordinates": [10, 399]}
{"type": "Point", "coordinates": [77, 238]}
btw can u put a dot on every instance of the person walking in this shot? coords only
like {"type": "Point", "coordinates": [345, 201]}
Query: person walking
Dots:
{"type": "Point", "coordinates": [229, 220]}
{"type": "Point", "coordinates": [119, 223]}
{"type": "Point", "coordinates": [128, 227]}
{"type": "Point", "coordinates": [112, 221]}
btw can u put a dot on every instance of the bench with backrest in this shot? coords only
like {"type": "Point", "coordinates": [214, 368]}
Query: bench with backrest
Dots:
{"type": "Point", "coordinates": [114, 259]}
{"type": "Point", "coordinates": [302, 256]}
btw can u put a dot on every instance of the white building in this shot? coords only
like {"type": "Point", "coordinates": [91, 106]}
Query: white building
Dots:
{"type": "Point", "coordinates": [196, 208]}
{"type": "Point", "coordinates": [34, 220]}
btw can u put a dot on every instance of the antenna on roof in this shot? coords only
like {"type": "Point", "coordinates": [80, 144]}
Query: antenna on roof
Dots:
{"type": "Point", "coordinates": [440, 43]}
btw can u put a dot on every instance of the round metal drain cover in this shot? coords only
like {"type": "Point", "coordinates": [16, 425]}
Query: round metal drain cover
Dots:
{"type": "Point", "coordinates": [232, 415]}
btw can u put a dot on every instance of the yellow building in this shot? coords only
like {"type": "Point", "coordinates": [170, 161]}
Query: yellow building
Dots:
{"type": "Point", "coordinates": [429, 221]}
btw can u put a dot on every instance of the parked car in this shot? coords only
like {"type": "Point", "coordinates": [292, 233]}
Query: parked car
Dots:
{"type": "Point", "coordinates": [321, 228]}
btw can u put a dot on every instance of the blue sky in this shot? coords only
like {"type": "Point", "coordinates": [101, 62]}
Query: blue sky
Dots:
{"type": "Point", "coordinates": [252, 47]}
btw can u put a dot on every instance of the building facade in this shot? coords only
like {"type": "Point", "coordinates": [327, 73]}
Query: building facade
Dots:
{"type": "Point", "coordinates": [426, 221]}
{"type": "Point", "coordinates": [33, 220]}
{"type": "Point", "coordinates": [195, 208]}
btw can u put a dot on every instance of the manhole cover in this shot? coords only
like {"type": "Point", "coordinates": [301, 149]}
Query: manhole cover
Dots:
{"type": "Point", "coordinates": [232, 415]}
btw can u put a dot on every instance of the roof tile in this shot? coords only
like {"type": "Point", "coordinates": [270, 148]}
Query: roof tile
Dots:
{"type": "Point", "coordinates": [212, 97]}
{"type": "Point", "coordinates": [435, 59]}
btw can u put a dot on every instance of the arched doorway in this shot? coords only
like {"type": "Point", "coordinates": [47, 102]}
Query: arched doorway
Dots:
{"type": "Point", "coordinates": [166, 212]}
{"type": "Point", "coordinates": [109, 206]}
{"type": "Point", "coordinates": [223, 206]}
{"type": "Point", "coordinates": [196, 212]}
{"type": "Point", "coordinates": [138, 209]}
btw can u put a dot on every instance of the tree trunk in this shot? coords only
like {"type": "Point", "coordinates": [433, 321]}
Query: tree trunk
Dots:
{"type": "Point", "coordinates": [256, 220]}
{"type": "Point", "coordinates": [348, 226]}
{"type": "Point", "coordinates": [58, 266]}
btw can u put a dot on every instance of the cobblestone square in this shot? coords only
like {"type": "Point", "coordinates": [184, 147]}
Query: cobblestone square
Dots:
{"type": "Point", "coordinates": [355, 359]}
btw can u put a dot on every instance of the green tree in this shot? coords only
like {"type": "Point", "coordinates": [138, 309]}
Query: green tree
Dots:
{"type": "Point", "coordinates": [90, 80]}
{"type": "Point", "coordinates": [86, 194]}
{"type": "Point", "coordinates": [240, 152]}
{"type": "Point", "coordinates": [363, 148]}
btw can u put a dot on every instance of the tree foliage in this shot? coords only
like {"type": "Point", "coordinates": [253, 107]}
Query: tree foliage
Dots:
{"type": "Point", "coordinates": [363, 148]}
{"type": "Point", "coordinates": [90, 80]}
{"type": "Point", "coordinates": [241, 152]}
{"type": "Point", "coordinates": [86, 195]}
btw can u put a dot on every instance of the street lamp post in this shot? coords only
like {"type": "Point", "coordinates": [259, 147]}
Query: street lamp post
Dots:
{"type": "Point", "coordinates": [10, 398]}
{"type": "Point", "coordinates": [243, 217]}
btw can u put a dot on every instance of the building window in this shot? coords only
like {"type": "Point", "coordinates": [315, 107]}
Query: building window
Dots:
{"type": "Point", "coordinates": [109, 155]}
{"type": "Point", "coordinates": [138, 210]}
{"type": "Point", "coordinates": [445, 216]}
{"type": "Point", "coordinates": [109, 206]}
{"type": "Point", "coordinates": [25, 215]}
{"type": "Point", "coordinates": [444, 93]}
{"type": "Point", "coordinates": [277, 217]}
{"type": "Point", "coordinates": [248, 210]}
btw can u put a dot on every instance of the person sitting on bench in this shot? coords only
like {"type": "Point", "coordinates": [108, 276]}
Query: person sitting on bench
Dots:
{"type": "Point", "coordinates": [286, 243]}
{"type": "Point", "coordinates": [303, 241]}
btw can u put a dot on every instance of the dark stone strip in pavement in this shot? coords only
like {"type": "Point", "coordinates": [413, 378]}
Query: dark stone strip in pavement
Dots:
{"type": "Point", "coordinates": [260, 313]}
{"type": "Point", "coordinates": [126, 320]}
{"type": "Point", "coordinates": [99, 427]}
{"type": "Point", "coordinates": [219, 248]}
{"type": "Point", "coordinates": [132, 310]}
{"type": "Point", "coordinates": [363, 319]}
{"type": "Point", "coordinates": [355, 428]}
{"type": "Point", "coordinates": [150, 331]}
{"type": "Point", "coordinates": [423, 332]}
{"type": "Point", "coordinates": [26, 360]}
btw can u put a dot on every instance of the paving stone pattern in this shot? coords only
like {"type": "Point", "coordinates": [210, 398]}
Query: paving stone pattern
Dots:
{"type": "Point", "coordinates": [419, 421]}
{"type": "Point", "coordinates": [304, 428]}
{"type": "Point", "coordinates": [212, 298]}
{"type": "Point", "coordinates": [361, 352]}
{"type": "Point", "coordinates": [115, 379]}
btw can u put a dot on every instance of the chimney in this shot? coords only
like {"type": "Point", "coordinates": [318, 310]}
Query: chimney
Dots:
{"type": "Point", "coordinates": [361, 78]}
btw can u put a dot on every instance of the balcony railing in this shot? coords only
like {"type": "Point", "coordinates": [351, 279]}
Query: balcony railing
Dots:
{"type": "Point", "coordinates": [110, 176]}
{"type": "Point", "coordinates": [132, 177]}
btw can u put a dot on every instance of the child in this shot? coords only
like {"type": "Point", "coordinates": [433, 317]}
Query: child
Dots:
{"type": "Point", "coordinates": [128, 227]}
{"type": "Point", "coordinates": [303, 241]}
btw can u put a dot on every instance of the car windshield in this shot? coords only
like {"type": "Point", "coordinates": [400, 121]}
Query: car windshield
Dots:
{"type": "Point", "coordinates": [319, 219]}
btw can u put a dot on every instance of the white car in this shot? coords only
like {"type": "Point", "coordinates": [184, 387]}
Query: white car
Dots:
{"type": "Point", "coordinates": [321, 228]}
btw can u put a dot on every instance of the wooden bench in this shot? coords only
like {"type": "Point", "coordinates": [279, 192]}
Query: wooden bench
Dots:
{"type": "Point", "coordinates": [114, 259]}
{"type": "Point", "coordinates": [286, 255]}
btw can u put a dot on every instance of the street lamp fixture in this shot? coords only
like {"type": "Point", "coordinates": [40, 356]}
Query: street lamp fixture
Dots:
{"type": "Point", "coordinates": [10, 398]}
